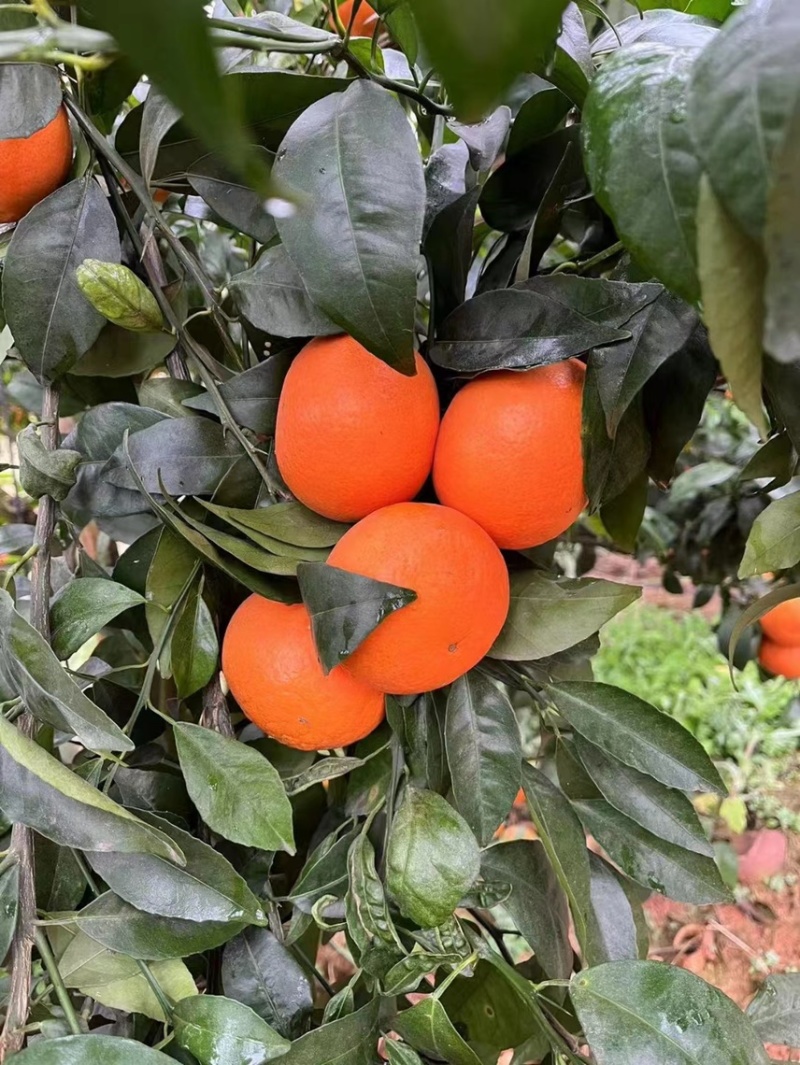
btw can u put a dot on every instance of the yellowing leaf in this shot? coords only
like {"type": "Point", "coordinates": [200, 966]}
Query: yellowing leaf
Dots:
{"type": "Point", "coordinates": [118, 294]}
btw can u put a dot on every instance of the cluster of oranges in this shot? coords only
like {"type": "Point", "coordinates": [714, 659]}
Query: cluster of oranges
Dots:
{"type": "Point", "coordinates": [356, 441]}
{"type": "Point", "coordinates": [779, 652]}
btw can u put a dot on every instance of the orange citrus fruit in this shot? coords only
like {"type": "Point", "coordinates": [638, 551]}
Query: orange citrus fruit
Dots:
{"type": "Point", "coordinates": [352, 434]}
{"type": "Point", "coordinates": [462, 590]}
{"type": "Point", "coordinates": [33, 167]}
{"type": "Point", "coordinates": [365, 22]}
{"type": "Point", "coordinates": [780, 659]}
{"type": "Point", "coordinates": [782, 623]}
{"type": "Point", "coordinates": [270, 663]}
{"type": "Point", "coordinates": [509, 453]}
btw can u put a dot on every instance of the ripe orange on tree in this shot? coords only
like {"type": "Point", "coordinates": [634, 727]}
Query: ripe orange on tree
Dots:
{"type": "Point", "coordinates": [462, 589]}
{"type": "Point", "coordinates": [35, 138]}
{"type": "Point", "coordinates": [352, 434]}
{"type": "Point", "coordinates": [509, 453]}
{"type": "Point", "coordinates": [781, 625]}
{"type": "Point", "coordinates": [270, 663]}
{"type": "Point", "coordinates": [781, 659]}
{"type": "Point", "coordinates": [365, 22]}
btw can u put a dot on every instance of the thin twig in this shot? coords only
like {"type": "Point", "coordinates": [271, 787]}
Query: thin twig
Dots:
{"type": "Point", "coordinates": [19, 996]}
{"type": "Point", "coordinates": [51, 965]}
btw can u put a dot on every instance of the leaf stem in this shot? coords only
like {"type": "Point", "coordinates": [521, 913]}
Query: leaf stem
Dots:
{"type": "Point", "coordinates": [155, 987]}
{"type": "Point", "coordinates": [57, 981]}
{"type": "Point", "coordinates": [32, 551]}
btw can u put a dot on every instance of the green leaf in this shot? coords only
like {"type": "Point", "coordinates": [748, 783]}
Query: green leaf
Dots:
{"type": "Point", "coordinates": [637, 734]}
{"type": "Point", "coordinates": [409, 973]}
{"type": "Point", "coordinates": [611, 303]}
{"type": "Point", "coordinates": [82, 608]}
{"type": "Point", "coordinates": [252, 395]}
{"type": "Point", "coordinates": [291, 523]}
{"type": "Point", "coordinates": [52, 323]}
{"type": "Point", "coordinates": [174, 564]}
{"type": "Point", "coordinates": [369, 922]}
{"type": "Point", "coordinates": [117, 982]}
{"type": "Point", "coordinates": [650, 860]}
{"type": "Point", "coordinates": [432, 860]}
{"type": "Point", "coordinates": [636, 1011]}
{"type": "Point", "coordinates": [260, 972]}
{"type": "Point", "coordinates": [272, 297]}
{"type": "Point", "coordinates": [187, 73]}
{"type": "Point", "coordinates": [549, 614]}
{"type": "Point", "coordinates": [43, 472]}
{"type": "Point", "coordinates": [30, 94]}
{"type": "Point", "coordinates": [232, 200]}
{"type": "Point", "coordinates": [484, 752]}
{"type": "Point", "coordinates": [539, 116]}
{"type": "Point", "coordinates": [775, 1011]}
{"type": "Point", "coordinates": [782, 325]}
{"type": "Point", "coordinates": [118, 294]}
{"type": "Point", "coordinates": [732, 274]}
{"type": "Point", "coordinates": [663, 811]}
{"type": "Point", "coordinates": [516, 37]}
{"type": "Point", "coordinates": [115, 924]}
{"type": "Point", "coordinates": [349, 1039]}
{"type": "Point", "coordinates": [118, 352]}
{"type": "Point", "coordinates": [755, 611]}
{"type": "Point", "coordinates": [614, 919]}
{"type": "Point", "coordinates": [537, 904]}
{"type": "Point", "coordinates": [774, 540]}
{"type": "Point", "coordinates": [235, 789]}
{"type": "Point", "coordinates": [611, 466]}
{"type": "Point", "coordinates": [638, 148]}
{"type": "Point", "coordinates": [564, 842]}
{"type": "Point", "coordinates": [515, 329]}
{"type": "Point", "coordinates": [60, 882]}
{"type": "Point", "coordinates": [91, 1050]}
{"type": "Point", "coordinates": [354, 164]}
{"type": "Point", "coordinates": [345, 608]}
{"type": "Point", "coordinates": [32, 671]}
{"type": "Point", "coordinates": [400, 1054]}
{"type": "Point", "coordinates": [325, 868]}
{"type": "Point", "coordinates": [9, 905]}
{"type": "Point", "coordinates": [427, 1027]}
{"type": "Point", "coordinates": [216, 1029]}
{"type": "Point", "coordinates": [206, 889]}
{"type": "Point", "coordinates": [194, 649]}
{"type": "Point", "coordinates": [742, 93]}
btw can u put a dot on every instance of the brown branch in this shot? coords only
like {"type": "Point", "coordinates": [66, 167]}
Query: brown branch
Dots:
{"type": "Point", "coordinates": [19, 997]}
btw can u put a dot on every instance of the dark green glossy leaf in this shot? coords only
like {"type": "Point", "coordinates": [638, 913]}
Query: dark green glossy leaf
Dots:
{"type": "Point", "coordinates": [637, 147]}
{"type": "Point", "coordinates": [291, 523]}
{"type": "Point", "coordinates": [342, 1004]}
{"type": "Point", "coordinates": [637, 734]}
{"type": "Point", "coordinates": [119, 352]}
{"type": "Point", "coordinates": [448, 250]}
{"type": "Point", "coordinates": [433, 858]}
{"type": "Point", "coordinates": [194, 649]}
{"type": "Point", "coordinates": [31, 670]}
{"type": "Point", "coordinates": [422, 728]}
{"type": "Point", "coordinates": [252, 396]}
{"type": "Point", "coordinates": [235, 789]}
{"type": "Point", "coordinates": [483, 751]}
{"type": "Point", "coordinates": [611, 466]}
{"type": "Point", "coordinates": [326, 867]}
{"type": "Point", "coordinates": [485, 139]}
{"type": "Point", "coordinates": [37, 790]}
{"type": "Point", "coordinates": [91, 1050]}
{"type": "Point", "coordinates": [549, 614]}
{"type": "Point", "coordinates": [537, 118]}
{"type": "Point", "coordinates": [400, 1054]}
{"type": "Point", "coordinates": [671, 27]}
{"type": "Point", "coordinates": [118, 294]}
{"type": "Point", "coordinates": [345, 608]}
{"type": "Point", "coordinates": [354, 163]}
{"type": "Point", "coordinates": [663, 811]}
{"type": "Point", "coordinates": [782, 325]}
{"type": "Point", "coordinates": [82, 608]}
{"type": "Point", "coordinates": [514, 329]}
{"type": "Point", "coordinates": [537, 904]}
{"type": "Point", "coordinates": [635, 1011]}
{"type": "Point", "coordinates": [30, 96]}
{"type": "Point", "coordinates": [651, 861]}
{"type": "Point", "coordinates": [614, 921]}
{"type": "Point", "coordinates": [272, 297]}
{"type": "Point", "coordinates": [349, 1039]}
{"type": "Point", "coordinates": [43, 472]}
{"type": "Point", "coordinates": [9, 905]}
{"type": "Point", "coordinates": [260, 972]}
{"type": "Point", "coordinates": [216, 1029]}
{"type": "Point", "coordinates": [427, 1027]}
{"type": "Point", "coordinates": [516, 37]}
{"type": "Point", "coordinates": [207, 888]}
{"type": "Point", "coordinates": [233, 200]}
{"type": "Point", "coordinates": [611, 303]}
{"type": "Point", "coordinates": [115, 924]}
{"type": "Point", "coordinates": [774, 540]}
{"type": "Point", "coordinates": [775, 1011]}
{"type": "Point", "coordinates": [52, 322]}
{"type": "Point", "coordinates": [167, 395]}
{"type": "Point", "coordinates": [60, 883]}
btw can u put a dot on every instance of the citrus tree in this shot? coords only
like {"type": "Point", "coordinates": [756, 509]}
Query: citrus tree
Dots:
{"type": "Point", "coordinates": [263, 676]}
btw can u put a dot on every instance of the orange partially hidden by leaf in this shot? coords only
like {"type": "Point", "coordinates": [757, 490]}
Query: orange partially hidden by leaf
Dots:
{"type": "Point", "coordinates": [271, 666]}
{"type": "Point", "coordinates": [33, 167]}
{"type": "Point", "coordinates": [779, 659]}
{"type": "Point", "coordinates": [365, 22]}
{"type": "Point", "coordinates": [782, 623]}
{"type": "Point", "coordinates": [509, 453]}
{"type": "Point", "coordinates": [462, 589]}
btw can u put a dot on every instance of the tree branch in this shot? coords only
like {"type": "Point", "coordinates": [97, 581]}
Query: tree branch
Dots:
{"type": "Point", "coordinates": [19, 998]}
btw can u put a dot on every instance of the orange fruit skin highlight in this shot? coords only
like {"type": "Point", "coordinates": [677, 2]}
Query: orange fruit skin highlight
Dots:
{"type": "Point", "coordinates": [352, 434]}
{"type": "Point", "coordinates": [509, 453]}
{"type": "Point", "coordinates": [364, 24]}
{"type": "Point", "coordinates": [33, 167]}
{"type": "Point", "coordinates": [782, 624]}
{"type": "Point", "coordinates": [780, 659]}
{"type": "Point", "coordinates": [462, 589]}
{"type": "Point", "coordinates": [271, 666]}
